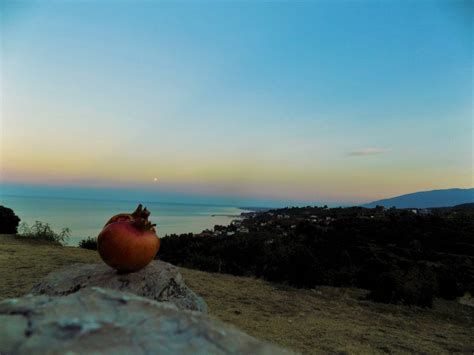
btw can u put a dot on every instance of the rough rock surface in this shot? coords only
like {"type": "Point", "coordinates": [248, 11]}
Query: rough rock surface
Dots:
{"type": "Point", "coordinates": [158, 281]}
{"type": "Point", "coordinates": [96, 320]}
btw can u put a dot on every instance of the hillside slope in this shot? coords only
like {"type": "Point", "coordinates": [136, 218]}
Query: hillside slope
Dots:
{"type": "Point", "coordinates": [427, 199]}
{"type": "Point", "coordinates": [321, 320]}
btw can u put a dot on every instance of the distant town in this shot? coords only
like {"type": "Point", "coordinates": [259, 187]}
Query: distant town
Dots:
{"type": "Point", "coordinates": [281, 220]}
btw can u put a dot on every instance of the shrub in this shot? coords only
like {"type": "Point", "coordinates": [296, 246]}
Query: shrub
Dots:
{"type": "Point", "coordinates": [386, 287]}
{"type": "Point", "coordinates": [449, 288]}
{"type": "Point", "coordinates": [88, 243]}
{"type": "Point", "coordinates": [416, 287]}
{"type": "Point", "coordinates": [8, 221]}
{"type": "Point", "coordinates": [43, 232]}
{"type": "Point", "coordinates": [419, 287]}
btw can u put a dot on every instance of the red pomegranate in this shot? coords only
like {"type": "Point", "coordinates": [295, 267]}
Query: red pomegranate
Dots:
{"type": "Point", "coordinates": [128, 242]}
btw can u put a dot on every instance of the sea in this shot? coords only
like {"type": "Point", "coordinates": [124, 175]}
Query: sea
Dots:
{"type": "Point", "coordinates": [86, 217]}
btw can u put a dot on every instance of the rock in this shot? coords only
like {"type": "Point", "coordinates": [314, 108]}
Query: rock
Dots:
{"type": "Point", "coordinates": [158, 281]}
{"type": "Point", "coordinates": [97, 320]}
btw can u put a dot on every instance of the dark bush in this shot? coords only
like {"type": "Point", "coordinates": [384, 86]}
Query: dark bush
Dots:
{"type": "Point", "coordinates": [8, 221]}
{"type": "Point", "coordinates": [386, 288]}
{"type": "Point", "coordinates": [88, 243]}
{"type": "Point", "coordinates": [416, 287]}
{"type": "Point", "coordinates": [419, 287]}
{"type": "Point", "coordinates": [448, 286]}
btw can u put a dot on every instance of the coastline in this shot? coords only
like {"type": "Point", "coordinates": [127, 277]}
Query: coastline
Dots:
{"type": "Point", "coordinates": [85, 217]}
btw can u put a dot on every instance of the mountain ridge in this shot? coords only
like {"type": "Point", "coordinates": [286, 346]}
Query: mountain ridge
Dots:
{"type": "Point", "coordinates": [427, 199]}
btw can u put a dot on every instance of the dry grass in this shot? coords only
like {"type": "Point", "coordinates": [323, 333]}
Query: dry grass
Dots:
{"type": "Point", "coordinates": [333, 319]}
{"type": "Point", "coordinates": [23, 262]}
{"type": "Point", "coordinates": [325, 320]}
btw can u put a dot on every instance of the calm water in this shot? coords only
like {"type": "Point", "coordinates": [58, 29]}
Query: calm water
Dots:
{"type": "Point", "coordinates": [87, 217]}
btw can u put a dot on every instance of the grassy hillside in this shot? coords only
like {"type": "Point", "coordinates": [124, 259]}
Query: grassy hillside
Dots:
{"type": "Point", "coordinates": [401, 256]}
{"type": "Point", "coordinates": [321, 320]}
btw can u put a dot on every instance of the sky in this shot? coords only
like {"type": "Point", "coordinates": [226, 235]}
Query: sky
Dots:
{"type": "Point", "coordinates": [317, 101]}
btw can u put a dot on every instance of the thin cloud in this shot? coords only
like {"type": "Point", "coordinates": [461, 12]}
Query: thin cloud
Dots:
{"type": "Point", "coordinates": [368, 151]}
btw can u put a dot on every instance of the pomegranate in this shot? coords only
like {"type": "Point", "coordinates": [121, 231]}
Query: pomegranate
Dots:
{"type": "Point", "coordinates": [139, 212]}
{"type": "Point", "coordinates": [119, 218]}
{"type": "Point", "coordinates": [128, 241]}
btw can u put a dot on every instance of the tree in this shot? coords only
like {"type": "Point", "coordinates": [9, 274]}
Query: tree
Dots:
{"type": "Point", "coordinates": [8, 221]}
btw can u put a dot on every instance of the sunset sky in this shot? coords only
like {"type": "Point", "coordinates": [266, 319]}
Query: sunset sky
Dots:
{"type": "Point", "coordinates": [310, 101]}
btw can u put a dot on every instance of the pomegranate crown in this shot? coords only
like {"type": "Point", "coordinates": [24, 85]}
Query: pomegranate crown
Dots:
{"type": "Point", "coordinates": [140, 218]}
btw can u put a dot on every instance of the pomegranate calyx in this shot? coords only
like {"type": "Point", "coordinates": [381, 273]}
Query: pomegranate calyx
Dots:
{"type": "Point", "coordinates": [140, 219]}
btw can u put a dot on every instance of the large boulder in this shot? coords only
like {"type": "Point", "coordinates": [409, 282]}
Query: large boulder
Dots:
{"type": "Point", "coordinates": [158, 281]}
{"type": "Point", "coordinates": [97, 320]}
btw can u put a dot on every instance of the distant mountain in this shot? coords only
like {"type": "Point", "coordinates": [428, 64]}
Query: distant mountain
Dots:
{"type": "Point", "coordinates": [427, 199]}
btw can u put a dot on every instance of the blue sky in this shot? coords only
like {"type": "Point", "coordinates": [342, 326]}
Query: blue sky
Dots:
{"type": "Point", "coordinates": [307, 101]}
